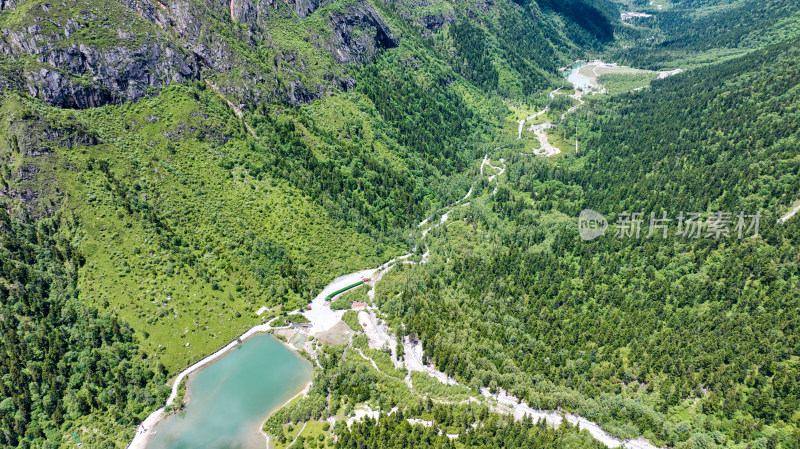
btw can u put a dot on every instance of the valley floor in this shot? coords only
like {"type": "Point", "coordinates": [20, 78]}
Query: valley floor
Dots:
{"type": "Point", "coordinates": [322, 318]}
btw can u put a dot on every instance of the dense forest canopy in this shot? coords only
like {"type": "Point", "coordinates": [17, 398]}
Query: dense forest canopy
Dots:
{"type": "Point", "coordinates": [597, 18]}
{"type": "Point", "coordinates": [700, 32]}
{"type": "Point", "coordinates": [394, 431]}
{"type": "Point", "coordinates": [242, 156]}
{"type": "Point", "coordinates": [631, 330]}
{"type": "Point", "coordinates": [61, 359]}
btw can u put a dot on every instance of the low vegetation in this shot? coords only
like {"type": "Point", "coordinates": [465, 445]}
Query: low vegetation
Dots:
{"type": "Point", "coordinates": [619, 83]}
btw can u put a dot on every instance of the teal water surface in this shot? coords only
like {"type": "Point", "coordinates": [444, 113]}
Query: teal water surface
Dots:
{"type": "Point", "coordinates": [231, 398]}
{"type": "Point", "coordinates": [576, 79]}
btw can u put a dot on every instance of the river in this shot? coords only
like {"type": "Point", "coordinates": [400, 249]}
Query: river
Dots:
{"type": "Point", "coordinates": [231, 398]}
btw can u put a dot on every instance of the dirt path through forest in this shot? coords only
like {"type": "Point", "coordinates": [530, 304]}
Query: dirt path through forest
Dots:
{"type": "Point", "coordinates": [547, 149]}
{"type": "Point", "coordinates": [322, 318]}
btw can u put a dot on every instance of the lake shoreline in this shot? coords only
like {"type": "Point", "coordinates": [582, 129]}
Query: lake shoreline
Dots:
{"type": "Point", "coordinates": [303, 391]}
{"type": "Point", "coordinates": [271, 374]}
{"type": "Point", "coordinates": [145, 429]}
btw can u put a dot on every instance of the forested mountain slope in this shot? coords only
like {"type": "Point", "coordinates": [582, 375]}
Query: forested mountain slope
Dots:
{"type": "Point", "coordinates": [690, 33]}
{"type": "Point", "coordinates": [86, 53]}
{"type": "Point", "coordinates": [177, 171]}
{"type": "Point", "coordinates": [62, 359]}
{"type": "Point", "coordinates": [393, 432]}
{"type": "Point", "coordinates": [691, 342]}
{"type": "Point", "coordinates": [206, 161]}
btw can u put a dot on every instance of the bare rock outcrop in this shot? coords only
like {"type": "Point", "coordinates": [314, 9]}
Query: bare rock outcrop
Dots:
{"type": "Point", "coordinates": [87, 53]}
{"type": "Point", "coordinates": [72, 62]}
{"type": "Point", "coordinates": [358, 32]}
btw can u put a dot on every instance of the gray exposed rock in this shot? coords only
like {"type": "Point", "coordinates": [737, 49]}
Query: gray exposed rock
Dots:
{"type": "Point", "coordinates": [80, 75]}
{"type": "Point", "coordinates": [305, 7]}
{"type": "Point", "coordinates": [244, 11]}
{"type": "Point", "coordinates": [347, 83]}
{"type": "Point", "coordinates": [434, 22]}
{"type": "Point", "coordinates": [6, 5]}
{"type": "Point", "coordinates": [358, 33]}
{"type": "Point", "coordinates": [86, 56]}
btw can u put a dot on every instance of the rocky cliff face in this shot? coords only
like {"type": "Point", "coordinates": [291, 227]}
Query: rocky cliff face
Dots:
{"type": "Point", "coordinates": [7, 4]}
{"type": "Point", "coordinates": [87, 53]}
{"type": "Point", "coordinates": [250, 11]}
{"type": "Point", "coordinates": [358, 33]}
{"type": "Point", "coordinates": [79, 76]}
{"type": "Point", "coordinates": [71, 62]}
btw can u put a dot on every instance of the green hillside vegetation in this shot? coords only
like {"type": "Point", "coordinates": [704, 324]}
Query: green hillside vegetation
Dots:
{"type": "Point", "coordinates": [619, 83]}
{"type": "Point", "coordinates": [346, 300]}
{"type": "Point", "coordinates": [167, 226]}
{"type": "Point", "coordinates": [168, 169]}
{"type": "Point", "coordinates": [189, 223]}
{"type": "Point", "coordinates": [351, 319]}
{"type": "Point", "coordinates": [188, 217]}
{"type": "Point", "coordinates": [697, 33]}
{"type": "Point", "coordinates": [394, 432]}
{"type": "Point", "coordinates": [65, 363]}
{"type": "Point", "coordinates": [691, 343]}
{"type": "Point", "coordinates": [346, 381]}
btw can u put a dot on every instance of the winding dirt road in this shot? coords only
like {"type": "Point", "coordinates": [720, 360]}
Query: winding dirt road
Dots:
{"type": "Point", "coordinates": [322, 318]}
{"type": "Point", "coordinates": [546, 149]}
{"type": "Point", "coordinates": [531, 117]}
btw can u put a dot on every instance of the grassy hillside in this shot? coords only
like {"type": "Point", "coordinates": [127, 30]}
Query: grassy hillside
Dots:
{"type": "Point", "coordinates": [190, 231]}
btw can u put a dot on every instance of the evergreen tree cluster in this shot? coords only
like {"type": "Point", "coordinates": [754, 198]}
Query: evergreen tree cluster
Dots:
{"type": "Point", "coordinates": [62, 361]}
{"type": "Point", "coordinates": [630, 330]}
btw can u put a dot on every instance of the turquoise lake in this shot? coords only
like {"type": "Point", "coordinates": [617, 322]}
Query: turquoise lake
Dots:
{"type": "Point", "coordinates": [231, 398]}
{"type": "Point", "coordinates": [576, 79]}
